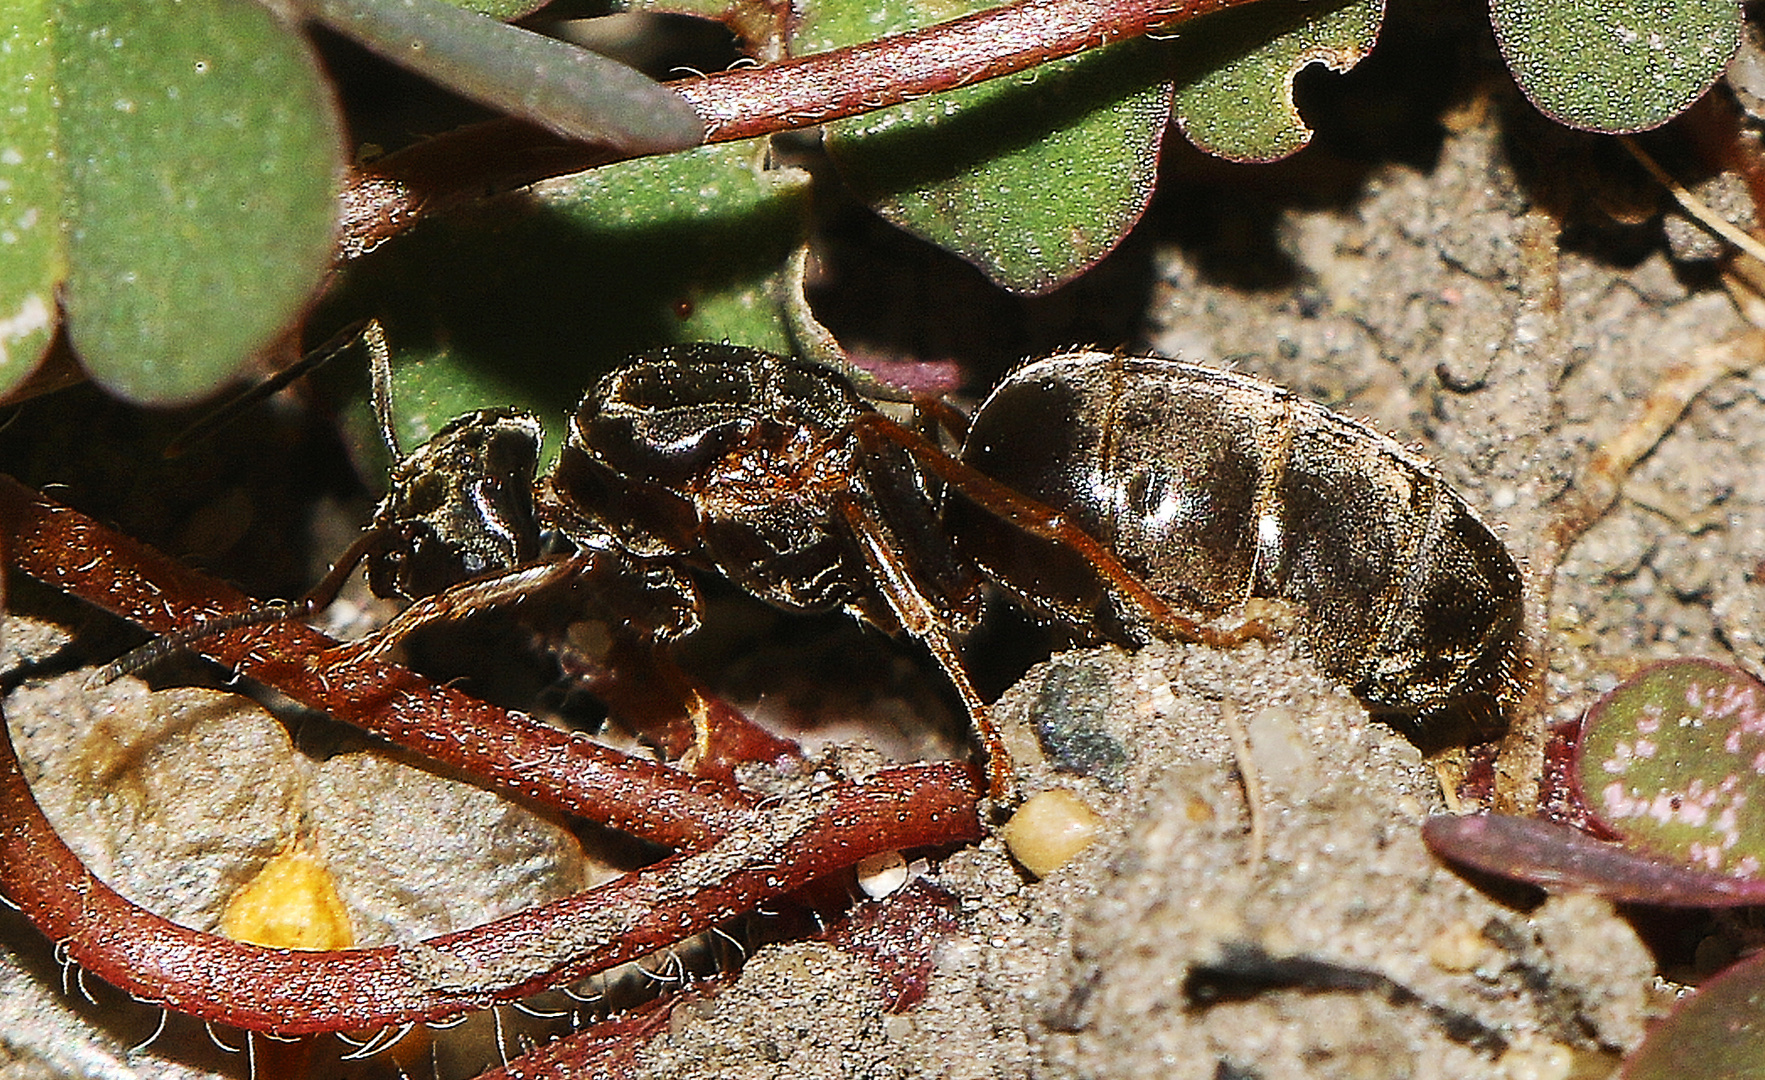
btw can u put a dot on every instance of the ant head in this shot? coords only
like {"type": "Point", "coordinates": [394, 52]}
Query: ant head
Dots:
{"type": "Point", "coordinates": [460, 506]}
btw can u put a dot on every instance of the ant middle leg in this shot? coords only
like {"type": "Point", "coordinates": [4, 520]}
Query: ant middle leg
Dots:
{"type": "Point", "coordinates": [1049, 524]}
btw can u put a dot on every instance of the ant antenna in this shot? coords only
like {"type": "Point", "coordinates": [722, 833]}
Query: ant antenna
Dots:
{"type": "Point", "coordinates": [137, 660]}
{"type": "Point", "coordinates": [269, 611]}
{"type": "Point", "coordinates": [380, 380]}
{"type": "Point", "coordinates": [251, 395]}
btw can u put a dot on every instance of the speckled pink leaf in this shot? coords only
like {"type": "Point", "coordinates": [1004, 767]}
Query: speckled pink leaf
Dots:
{"type": "Point", "coordinates": [1673, 762]}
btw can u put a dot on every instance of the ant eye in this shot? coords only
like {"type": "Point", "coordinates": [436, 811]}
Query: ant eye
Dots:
{"type": "Point", "coordinates": [426, 494]}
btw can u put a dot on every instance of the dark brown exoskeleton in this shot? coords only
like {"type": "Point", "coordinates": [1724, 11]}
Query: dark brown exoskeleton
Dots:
{"type": "Point", "coordinates": [1215, 488]}
{"type": "Point", "coordinates": [778, 475]}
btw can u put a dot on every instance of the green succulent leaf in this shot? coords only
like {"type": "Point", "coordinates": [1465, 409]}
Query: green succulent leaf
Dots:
{"type": "Point", "coordinates": [724, 11]}
{"type": "Point", "coordinates": [1673, 762]}
{"type": "Point", "coordinates": [1617, 66]}
{"type": "Point", "coordinates": [33, 258]}
{"type": "Point", "coordinates": [172, 169]}
{"type": "Point", "coordinates": [1234, 92]}
{"type": "Point", "coordinates": [501, 10]}
{"type": "Point", "coordinates": [1032, 178]}
{"type": "Point", "coordinates": [528, 298]}
{"type": "Point", "coordinates": [1716, 1033]}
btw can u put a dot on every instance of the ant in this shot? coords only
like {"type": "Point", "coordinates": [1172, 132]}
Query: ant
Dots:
{"type": "Point", "coordinates": [1120, 497]}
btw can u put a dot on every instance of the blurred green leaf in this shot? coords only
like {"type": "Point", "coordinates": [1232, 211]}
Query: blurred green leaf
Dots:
{"type": "Point", "coordinates": [530, 297]}
{"type": "Point", "coordinates": [501, 10]}
{"type": "Point", "coordinates": [1234, 95]}
{"type": "Point", "coordinates": [1716, 1033]}
{"type": "Point", "coordinates": [198, 150]}
{"type": "Point", "coordinates": [1673, 762]}
{"type": "Point", "coordinates": [1032, 178]}
{"type": "Point", "coordinates": [1619, 65]}
{"type": "Point", "coordinates": [32, 258]}
{"type": "Point", "coordinates": [566, 89]}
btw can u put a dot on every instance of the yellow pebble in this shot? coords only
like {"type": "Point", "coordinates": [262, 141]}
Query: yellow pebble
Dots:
{"type": "Point", "coordinates": [1049, 829]}
{"type": "Point", "coordinates": [291, 904]}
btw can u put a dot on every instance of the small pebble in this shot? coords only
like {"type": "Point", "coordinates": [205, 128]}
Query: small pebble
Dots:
{"type": "Point", "coordinates": [1459, 948]}
{"type": "Point", "coordinates": [1049, 829]}
{"type": "Point", "coordinates": [882, 873]}
{"type": "Point", "coordinates": [291, 904]}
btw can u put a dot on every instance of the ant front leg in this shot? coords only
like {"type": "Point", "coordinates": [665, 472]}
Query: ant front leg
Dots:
{"type": "Point", "coordinates": [617, 646]}
{"type": "Point", "coordinates": [470, 598]}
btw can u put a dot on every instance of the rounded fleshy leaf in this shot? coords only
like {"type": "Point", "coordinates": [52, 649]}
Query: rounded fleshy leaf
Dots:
{"type": "Point", "coordinates": [201, 157]}
{"type": "Point", "coordinates": [1033, 179]}
{"type": "Point", "coordinates": [1716, 1033]}
{"type": "Point", "coordinates": [1673, 761]}
{"type": "Point", "coordinates": [1234, 94]}
{"type": "Point", "coordinates": [530, 297]}
{"type": "Point", "coordinates": [1620, 65]}
{"type": "Point", "coordinates": [32, 259]}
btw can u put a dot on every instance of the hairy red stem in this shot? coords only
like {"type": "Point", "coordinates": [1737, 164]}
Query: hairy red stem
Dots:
{"type": "Point", "coordinates": [738, 856]}
{"type": "Point", "coordinates": [293, 992]}
{"type": "Point", "coordinates": [513, 753]}
{"type": "Point", "coordinates": [827, 86]}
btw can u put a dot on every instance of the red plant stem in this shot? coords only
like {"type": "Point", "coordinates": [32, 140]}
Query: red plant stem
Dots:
{"type": "Point", "coordinates": [606, 1050]}
{"type": "Point", "coordinates": [743, 856]}
{"type": "Point", "coordinates": [386, 197]}
{"type": "Point", "coordinates": [518, 755]}
{"type": "Point", "coordinates": [293, 992]}
{"type": "Point", "coordinates": [844, 82]}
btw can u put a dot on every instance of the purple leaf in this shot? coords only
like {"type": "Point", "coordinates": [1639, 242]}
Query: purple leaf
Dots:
{"type": "Point", "coordinates": [1556, 856]}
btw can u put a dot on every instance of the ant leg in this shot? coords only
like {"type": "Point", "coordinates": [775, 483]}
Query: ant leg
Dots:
{"type": "Point", "coordinates": [320, 596]}
{"type": "Point", "coordinates": [919, 617]}
{"type": "Point", "coordinates": [137, 660]}
{"type": "Point", "coordinates": [953, 421]}
{"type": "Point", "coordinates": [1039, 520]}
{"type": "Point", "coordinates": [469, 598]}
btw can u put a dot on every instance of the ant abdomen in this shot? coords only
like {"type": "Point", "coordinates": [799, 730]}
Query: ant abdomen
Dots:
{"type": "Point", "coordinates": [1214, 489]}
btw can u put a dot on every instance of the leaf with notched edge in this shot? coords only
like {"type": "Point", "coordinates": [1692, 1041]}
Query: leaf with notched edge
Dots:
{"type": "Point", "coordinates": [1235, 83]}
{"type": "Point", "coordinates": [1032, 178]}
